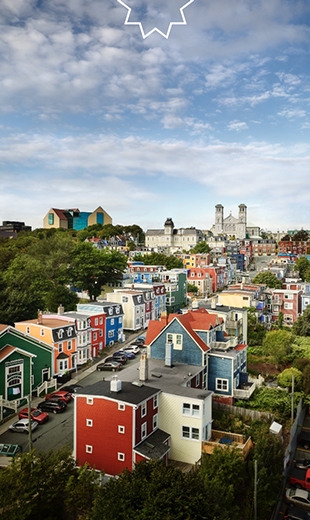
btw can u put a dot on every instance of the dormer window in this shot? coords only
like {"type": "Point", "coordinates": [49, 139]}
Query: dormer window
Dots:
{"type": "Point", "coordinates": [60, 333]}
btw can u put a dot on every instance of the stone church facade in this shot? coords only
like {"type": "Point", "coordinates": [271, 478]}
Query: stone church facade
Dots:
{"type": "Point", "coordinates": [230, 225]}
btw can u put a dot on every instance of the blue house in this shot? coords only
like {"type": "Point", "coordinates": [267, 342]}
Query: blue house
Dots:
{"type": "Point", "coordinates": [114, 318]}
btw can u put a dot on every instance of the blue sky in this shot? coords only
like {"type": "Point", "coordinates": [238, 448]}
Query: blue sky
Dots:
{"type": "Point", "coordinates": [92, 113]}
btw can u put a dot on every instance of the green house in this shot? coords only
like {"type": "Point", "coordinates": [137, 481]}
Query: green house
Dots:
{"type": "Point", "coordinates": [25, 363]}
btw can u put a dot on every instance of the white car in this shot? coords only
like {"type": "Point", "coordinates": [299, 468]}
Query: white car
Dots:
{"type": "Point", "coordinates": [131, 348]}
{"type": "Point", "coordinates": [23, 426]}
{"type": "Point", "coordinates": [298, 498]}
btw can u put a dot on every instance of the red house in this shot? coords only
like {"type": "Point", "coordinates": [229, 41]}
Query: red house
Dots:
{"type": "Point", "coordinates": [116, 426]}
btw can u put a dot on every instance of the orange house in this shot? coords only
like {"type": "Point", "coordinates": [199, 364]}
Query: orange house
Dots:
{"type": "Point", "coordinates": [60, 333]}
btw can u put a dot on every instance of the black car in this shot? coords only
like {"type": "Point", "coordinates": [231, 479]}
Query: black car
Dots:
{"type": "Point", "coordinates": [72, 389]}
{"type": "Point", "coordinates": [302, 464]}
{"type": "Point", "coordinates": [52, 405]}
{"type": "Point", "coordinates": [294, 513]}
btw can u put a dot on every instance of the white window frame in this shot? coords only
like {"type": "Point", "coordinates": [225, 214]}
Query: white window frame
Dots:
{"type": "Point", "coordinates": [89, 400]}
{"type": "Point", "coordinates": [143, 430]}
{"type": "Point", "coordinates": [121, 429]}
{"type": "Point", "coordinates": [121, 407]}
{"type": "Point", "coordinates": [155, 421]}
{"type": "Point", "coordinates": [88, 448]}
{"type": "Point", "coordinates": [155, 401]}
{"type": "Point", "coordinates": [143, 409]}
{"type": "Point", "coordinates": [89, 422]}
{"type": "Point", "coordinates": [220, 384]}
{"type": "Point", "coordinates": [121, 456]}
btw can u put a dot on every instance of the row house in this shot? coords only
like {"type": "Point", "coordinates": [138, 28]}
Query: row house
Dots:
{"type": "Point", "coordinates": [246, 250]}
{"type": "Point", "coordinates": [235, 321]}
{"type": "Point", "coordinates": [25, 363]}
{"type": "Point", "coordinates": [263, 247]}
{"type": "Point", "coordinates": [199, 338]}
{"type": "Point", "coordinates": [175, 282]}
{"type": "Point", "coordinates": [145, 273]}
{"type": "Point", "coordinates": [286, 301]}
{"type": "Point", "coordinates": [154, 297]}
{"type": "Point", "coordinates": [294, 247]}
{"type": "Point", "coordinates": [107, 323]}
{"type": "Point", "coordinates": [60, 333]}
{"type": "Point", "coordinates": [133, 305]}
{"type": "Point", "coordinates": [116, 425]}
{"type": "Point", "coordinates": [201, 279]}
{"type": "Point", "coordinates": [195, 259]}
{"type": "Point", "coordinates": [83, 334]}
{"type": "Point", "coordinates": [218, 275]}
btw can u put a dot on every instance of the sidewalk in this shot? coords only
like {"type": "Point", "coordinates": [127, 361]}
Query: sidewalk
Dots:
{"type": "Point", "coordinates": [79, 375]}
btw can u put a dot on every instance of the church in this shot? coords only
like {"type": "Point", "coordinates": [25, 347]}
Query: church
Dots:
{"type": "Point", "coordinates": [232, 226]}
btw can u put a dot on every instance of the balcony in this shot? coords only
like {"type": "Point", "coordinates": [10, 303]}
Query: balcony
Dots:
{"type": "Point", "coordinates": [276, 302]}
{"type": "Point", "coordinates": [227, 440]}
{"type": "Point", "coordinates": [244, 391]}
{"type": "Point", "coordinates": [233, 324]}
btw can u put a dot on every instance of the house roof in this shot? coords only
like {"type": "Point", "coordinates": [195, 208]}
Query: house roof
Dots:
{"type": "Point", "coordinates": [3, 327]}
{"type": "Point", "coordinates": [130, 393]}
{"type": "Point", "coordinates": [153, 446]}
{"type": "Point", "coordinates": [50, 323]}
{"type": "Point", "coordinates": [192, 321]}
{"type": "Point", "coordinates": [6, 351]}
{"type": "Point", "coordinates": [60, 213]}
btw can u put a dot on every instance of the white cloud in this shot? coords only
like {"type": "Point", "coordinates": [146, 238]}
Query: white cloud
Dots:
{"type": "Point", "coordinates": [237, 125]}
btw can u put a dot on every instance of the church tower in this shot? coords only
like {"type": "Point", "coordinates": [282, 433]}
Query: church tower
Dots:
{"type": "Point", "coordinates": [219, 219]}
{"type": "Point", "coordinates": [242, 222]}
{"type": "Point", "coordinates": [168, 231]}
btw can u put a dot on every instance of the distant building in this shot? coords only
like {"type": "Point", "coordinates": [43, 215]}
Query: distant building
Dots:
{"type": "Point", "coordinates": [232, 226]}
{"type": "Point", "coordinates": [171, 239]}
{"type": "Point", "coordinates": [10, 228]}
{"type": "Point", "coordinates": [75, 219]}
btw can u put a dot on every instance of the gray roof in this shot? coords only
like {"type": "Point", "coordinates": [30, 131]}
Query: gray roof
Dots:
{"type": "Point", "coordinates": [130, 393]}
{"type": "Point", "coordinates": [171, 380]}
{"type": "Point", "coordinates": [153, 446]}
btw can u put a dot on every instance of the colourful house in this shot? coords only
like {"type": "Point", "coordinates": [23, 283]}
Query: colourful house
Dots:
{"type": "Point", "coordinates": [75, 219]}
{"type": "Point", "coordinates": [107, 321]}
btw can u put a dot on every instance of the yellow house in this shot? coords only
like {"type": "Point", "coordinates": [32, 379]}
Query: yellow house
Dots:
{"type": "Point", "coordinates": [237, 298]}
{"type": "Point", "coordinates": [75, 219]}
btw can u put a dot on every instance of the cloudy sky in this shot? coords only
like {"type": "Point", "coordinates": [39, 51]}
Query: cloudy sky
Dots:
{"type": "Point", "coordinates": [214, 112]}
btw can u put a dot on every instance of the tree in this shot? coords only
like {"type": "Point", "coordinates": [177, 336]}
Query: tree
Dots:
{"type": "Point", "coordinates": [191, 288]}
{"type": "Point", "coordinates": [201, 247]}
{"type": "Point", "coordinates": [269, 279]}
{"type": "Point", "coordinates": [302, 265]}
{"type": "Point", "coordinates": [90, 268]}
{"type": "Point", "coordinates": [170, 262]}
{"type": "Point", "coordinates": [301, 327]}
{"type": "Point", "coordinates": [278, 344]}
{"type": "Point", "coordinates": [301, 236]}
{"type": "Point", "coordinates": [286, 377]}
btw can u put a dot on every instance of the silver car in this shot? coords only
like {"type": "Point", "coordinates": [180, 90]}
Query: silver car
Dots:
{"type": "Point", "coordinates": [22, 426]}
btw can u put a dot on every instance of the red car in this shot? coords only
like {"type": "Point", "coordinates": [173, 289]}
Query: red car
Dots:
{"type": "Point", "coordinates": [36, 415]}
{"type": "Point", "coordinates": [60, 395]}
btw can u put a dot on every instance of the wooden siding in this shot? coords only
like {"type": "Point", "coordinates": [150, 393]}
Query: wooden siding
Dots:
{"type": "Point", "coordinates": [237, 441]}
{"type": "Point", "coordinates": [191, 353]}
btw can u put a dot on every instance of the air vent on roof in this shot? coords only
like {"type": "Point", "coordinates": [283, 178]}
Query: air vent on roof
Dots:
{"type": "Point", "coordinates": [149, 445]}
{"type": "Point", "coordinates": [156, 375]}
{"type": "Point", "coordinates": [137, 383]}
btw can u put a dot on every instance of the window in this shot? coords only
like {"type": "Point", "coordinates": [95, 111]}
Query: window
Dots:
{"type": "Point", "coordinates": [195, 409]}
{"type": "Point", "coordinates": [96, 321]}
{"type": "Point", "coordinates": [195, 433]}
{"type": "Point", "coordinates": [89, 449]}
{"type": "Point", "coordinates": [89, 400]}
{"type": "Point", "coordinates": [155, 421]}
{"type": "Point", "coordinates": [186, 432]}
{"type": "Point", "coordinates": [121, 406]}
{"type": "Point", "coordinates": [191, 409]}
{"type": "Point", "coordinates": [190, 433]}
{"type": "Point", "coordinates": [125, 299]}
{"type": "Point", "coordinates": [222, 384]}
{"type": "Point", "coordinates": [186, 409]}
{"type": "Point", "coordinates": [112, 321]}
{"type": "Point", "coordinates": [89, 422]}
{"type": "Point", "coordinates": [60, 347]}
{"type": "Point", "coordinates": [95, 336]}
{"type": "Point", "coordinates": [197, 380]}
{"type": "Point", "coordinates": [176, 339]}
{"type": "Point", "coordinates": [51, 219]}
{"type": "Point", "coordinates": [100, 320]}
{"type": "Point", "coordinates": [41, 332]}
{"type": "Point", "coordinates": [27, 330]}
{"type": "Point", "coordinates": [288, 305]}
{"type": "Point", "coordinates": [121, 456]}
{"type": "Point", "coordinates": [110, 333]}
{"type": "Point", "coordinates": [121, 429]}
{"type": "Point", "coordinates": [100, 333]}
{"type": "Point", "coordinates": [155, 401]}
{"type": "Point", "coordinates": [143, 430]}
{"type": "Point", "coordinates": [143, 409]}
{"type": "Point", "coordinates": [69, 347]}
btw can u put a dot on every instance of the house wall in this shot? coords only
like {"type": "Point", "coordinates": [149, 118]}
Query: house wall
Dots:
{"type": "Point", "coordinates": [231, 299]}
{"type": "Point", "coordinates": [103, 435]}
{"type": "Point", "coordinates": [22, 377]}
{"type": "Point", "coordinates": [220, 367]}
{"type": "Point", "coordinates": [191, 353]}
{"type": "Point", "coordinates": [171, 420]}
{"type": "Point", "coordinates": [148, 418]}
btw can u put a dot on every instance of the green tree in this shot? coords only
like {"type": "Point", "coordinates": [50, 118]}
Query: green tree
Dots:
{"type": "Point", "coordinates": [301, 236]}
{"type": "Point", "coordinates": [302, 265]}
{"type": "Point", "coordinates": [191, 288]}
{"type": "Point", "coordinates": [278, 344]}
{"type": "Point", "coordinates": [90, 268]}
{"type": "Point", "coordinates": [169, 261]}
{"type": "Point", "coordinates": [269, 279]}
{"type": "Point", "coordinates": [201, 247]}
{"type": "Point", "coordinates": [301, 327]}
{"type": "Point", "coordinates": [286, 377]}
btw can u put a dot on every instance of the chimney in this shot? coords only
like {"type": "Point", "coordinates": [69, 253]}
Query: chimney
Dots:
{"type": "Point", "coordinates": [115, 384]}
{"type": "Point", "coordinates": [60, 309]}
{"type": "Point", "coordinates": [213, 302]}
{"type": "Point", "coordinates": [164, 317]}
{"type": "Point", "coordinates": [144, 372]}
{"type": "Point", "coordinates": [40, 319]}
{"type": "Point", "coordinates": [168, 355]}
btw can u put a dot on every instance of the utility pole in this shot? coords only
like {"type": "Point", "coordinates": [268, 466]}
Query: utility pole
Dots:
{"type": "Point", "coordinates": [292, 400]}
{"type": "Point", "coordinates": [29, 422]}
{"type": "Point", "coordinates": [255, 489]}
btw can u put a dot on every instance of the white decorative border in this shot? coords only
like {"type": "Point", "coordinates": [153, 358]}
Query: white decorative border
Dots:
{"type": "Point", "coordinates": [145, 35]}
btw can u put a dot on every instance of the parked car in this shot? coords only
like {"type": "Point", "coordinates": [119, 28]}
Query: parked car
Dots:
{"type": "Point", "coordinates": [120, 357]}
{"type": "Point", "coordinates": [52, 405]}
{"type": "Point", "coordinates": [62, 395]}
{"type": "Point", "coordinates": [22, 426]}
{"type": "Point", "coordinates": [129, 355]}
{"type": "Point", "coordinates": [140, 340]}
{"type": "Point", "coordinates": [109, 365]}
{"type": "Point", "coordinates": [302, 464]}
{"type": "Point", "coordinates": [131, 348]}
{"type": "Point", "coordinates": [72, 389]}
{"type": "Point", "coordinates": [294, 513]}
{"type": "Point", "coordinates": [36, 415]}
{"type": "Point", "coordinates": [298, 497]}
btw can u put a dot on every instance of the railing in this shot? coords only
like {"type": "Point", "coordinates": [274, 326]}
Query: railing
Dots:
{"type": "Point", "coordinates": [233, 324]}
{"type": "Point", "coordinates": [46, 386]}
{"type": "Point", "coordinates": [13, 405]}
{"type": "Point", "coordinates": [227, 440]}
{"type": "Point", "coordinates": [244, 393]}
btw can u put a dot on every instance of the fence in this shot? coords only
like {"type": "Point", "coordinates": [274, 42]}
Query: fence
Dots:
{"type": "Point", "coordinates": [46, 386]}
{"type": "Point", "coordinates": [254, 415]}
